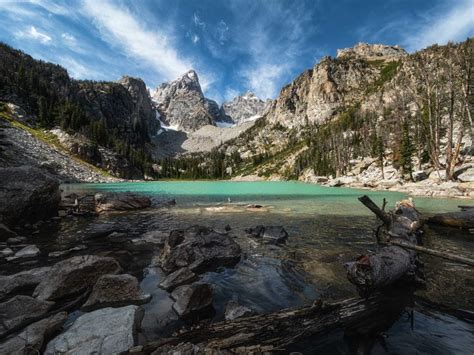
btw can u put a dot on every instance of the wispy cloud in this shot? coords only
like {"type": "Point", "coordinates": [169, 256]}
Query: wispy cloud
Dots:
{"type": "Point", "coordinates": [121, 29]}
{"type": "Point", "coordinates": [34, 34]}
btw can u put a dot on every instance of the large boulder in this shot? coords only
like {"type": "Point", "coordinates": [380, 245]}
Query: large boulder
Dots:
{"type": "Point", "coordinates": [120, 202]}
{"type": "Point", "coordinates": [105, 331]}
{"type": "Point", "coordinates": [115, 291]}
{"type": "Point", "coordinates": [467, 175]}
{"type": "Point", "coordinates": [22, 282]}
{"type": "Point", "coordinates": [21, 310]}
{"type": "Point", "coordinates": [177, 278]}
{"type": "Point", "coordinates": [200, 249]}
{"type": "Point", "coordinates": [30, 340]}
{"type": "Point", "coordinates": [74, 275]}
{"type": "Point", "coordinates": [269, 234]}
{"type": "Point", "coordinates": [30, 251]}
{"type": "Point", "coordinates": [27, 195]}
{"type": "Point", "coordinates": [193, 301]}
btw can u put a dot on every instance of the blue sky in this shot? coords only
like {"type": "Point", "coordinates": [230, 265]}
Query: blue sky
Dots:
{"type": "Point", "coordinates": [234, 45]}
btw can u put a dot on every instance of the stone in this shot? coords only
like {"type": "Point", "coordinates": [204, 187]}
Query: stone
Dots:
{"type": "Point", "coordinates": [57, 254]}
{"type": "Point", "coordinates": [177, 278]}
{"type": "Point", "coordinates": [31, 339]}
{"type": "Point", "coordinates": [29, 251]}
{"type": "Point", "coordinates": [22, 282]}
{"type": "Point", "coordinates": [437, 175]}
{"type": "Point", "coordinates": [234, 310]}
{"type": "Point", "coordinates": [34, 194]}
{"type": "Point", "coordinates": [269, 234]}
{"type": "Point", "coordinates": [16, 240]}
{"type": "Point", "coordinates": [74, 275]}
{"type": "Point", "coordinates": [20, 311]}
{"type": "Point", "coordinates": [7, 252]}
{"type": "Point", "coordinates": [193, 301]}
{"type": "Point", "coordinates": [200, 249]}
{"type": "Point", "coordinates": [420, 175]}
{"type": "Point", "coordinates": [467, 175]}
{"type": "Point", "coordinates": [120, 202]}
{"type": "Point", "coordinates": [104, 331]}
{"type": "Point", "coordinates": [115, 291]}
{"type": "Point", "coordinates": [6, 233]}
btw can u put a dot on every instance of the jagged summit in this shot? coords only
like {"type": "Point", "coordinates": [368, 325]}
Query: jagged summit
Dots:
{"type": "Point", "coordinates": [372, 51]}
{"type": "Point", "coordinates": [243, 108]}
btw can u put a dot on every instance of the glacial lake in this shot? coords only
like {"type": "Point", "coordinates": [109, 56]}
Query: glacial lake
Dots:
{"type": "Point", "coordinates": [327, 227]}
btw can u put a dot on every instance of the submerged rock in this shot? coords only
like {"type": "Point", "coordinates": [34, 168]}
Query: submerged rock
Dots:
{"type": "Point", "coordinates": [105, 331]}
{"type": "Point", "coordinates": [120, 202]}
{"type": "Point", "coordinates": [234, 310]}
{"type": "Point", "coordinates": [31, 339]}
{"type": "Point", "coordinates": [177, 278]}
{"type": "Point", "coordinates": [29, 251]}
{"type": "Point", "coordinates": [74, 275]}
{"type": "Point", "coordinates": [269, 234]}
{"type": "Point", "coordinates": [200, 249]}
{"type": "Point", "coordinates": [22, 282]}
{"type": "Point", "coordinates": [19, 311]}
{"type": "Point", "coordinates": [115, 291]}
{"type": "Point", "coordinates": [28, 195]}
{"type": "Point", "coordinates": [193, 301]}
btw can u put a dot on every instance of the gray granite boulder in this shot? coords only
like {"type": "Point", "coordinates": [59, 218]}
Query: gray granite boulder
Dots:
{"type": "Point", "coordinates": [115, 291]}
{"type": "Point", "coordinates": [74, 275]}
{"type": "Point", "coordinates": [120, 202]}
{"type": "Point", "coordinates": [177, 278]}
{"type": "Point", "coordinates": [193, 301]}
{"type": "Point", "coordinates": [269, 234]}
{"type": "Point", "coordinates": [104, 331]}
{"type": "Point", "coordinates": [22, 282]}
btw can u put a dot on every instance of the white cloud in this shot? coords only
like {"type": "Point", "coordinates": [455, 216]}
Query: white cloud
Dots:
{"type": "Point", "coordinates": [197, 21]}
{"type": "Point", "coordinates": [34, 34]}
{"type": "Point", "coordinates": [265, 79]}
{"type": "Point", "coordinates": [230, 94]}
{"type": "Point", "coordinates": [121, 29]}
{"type": "Point", "coordinates": [195, 38]}
{"type": "Point", "coordinates": [454, 25]}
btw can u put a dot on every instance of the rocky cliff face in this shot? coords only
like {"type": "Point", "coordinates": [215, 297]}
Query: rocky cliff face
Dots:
{"type": "Point", "coordinates": [372, 52]}
{"type": "Point", "coordinates": [182, 105]}
{"type": "Point", "coordinates": [243, 108]}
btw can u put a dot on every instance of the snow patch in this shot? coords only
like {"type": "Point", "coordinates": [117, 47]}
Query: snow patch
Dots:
{"type": "Point", "coordinates": [224, 124]}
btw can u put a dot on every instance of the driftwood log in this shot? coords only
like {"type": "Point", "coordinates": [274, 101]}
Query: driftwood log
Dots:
{"type": "Point", "coordinates": [463, 219]}
{"type": "Point", "coordinates": [389, 263]}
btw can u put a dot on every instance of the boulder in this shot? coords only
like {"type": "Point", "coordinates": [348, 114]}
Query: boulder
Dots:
{"type": "Point", "coordinates": [200, 249]}
{"type": "Point", "coordinates": [269, 234]}
{"type": "Point", "coordinates": [437, 175]}
{"type": "Point", "coordinates": [115, 291]}
{"type": "Point", "coordinates": [467, 175]}
{"type": "Point", "coordinates": [29, 251]}
{"type": "Point", "coordinates": [22, 282]}
{"type": "Point", "coordinates": [20, 311]}
{"type": "Point", "coordinates": [120, 202]}
{"type": "Point", "coordinates": [74, 275]}
{"type": "Point", "coordinates": [31, 339]}
{"type": "Point", "coordinates": [177, 278]}
{"type": "Point", "coordinates": [34, 195]}
{"type": "Point", "coordinates": [420, 175]}
{"type": "Point", "coordinates": [193, 301]}
{"type": "Point", "coordinates": [234, 310]}
{"type": "Point", "coordinates": [16, 240]}
{"type": "Point", "coordinates": [104, 331]}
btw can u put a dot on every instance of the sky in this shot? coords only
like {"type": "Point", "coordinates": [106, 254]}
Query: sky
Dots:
{"type": "Point", "coordinates": [233, 45]}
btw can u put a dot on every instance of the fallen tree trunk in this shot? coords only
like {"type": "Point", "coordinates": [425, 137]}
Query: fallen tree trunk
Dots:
{"type": "Point", "coordinates": [389, 263]}
{"type": "Point", "coordinates": [463, 219]}
{"type": "Point", "coordinates": [275, 331]}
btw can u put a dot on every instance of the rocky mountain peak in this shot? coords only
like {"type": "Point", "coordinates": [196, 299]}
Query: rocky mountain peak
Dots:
{"type": "Point", "coordinates": [243, 108]}
{"type": "Point", "coordinates": [372, 51]}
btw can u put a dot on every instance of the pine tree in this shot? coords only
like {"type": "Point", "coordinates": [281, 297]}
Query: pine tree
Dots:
{"type": "Point", "coordinates": [406, 152]}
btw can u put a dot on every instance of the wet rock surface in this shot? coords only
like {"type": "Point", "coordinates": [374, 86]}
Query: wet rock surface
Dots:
{"type": "Point", "coordinates": [177, 278]}
{"type": "Point", "coordinates": [115, 291]}
{"type": "Point", "coordinates": [74, 275]}
{"type": "Point", "coordinates": [31, 339]}
{"type": "Point", "coordinates": [104, 331]}
{"type": "Point", "coordinates": [234, 310]}
{"type": "Point", "coordinates": [200, 249]}
{"type": "Point", "coordinates": [193, 301]}
{"type": "Point", "coordinates": [269, 234]}
{"type": "Point", "coordinates": [120, 202]}
{"type": "Point", "coordinates": [21, 310]}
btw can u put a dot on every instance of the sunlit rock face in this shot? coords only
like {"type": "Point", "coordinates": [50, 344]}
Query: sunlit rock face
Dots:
{"type": "Point", "coordinates": [243, 108]}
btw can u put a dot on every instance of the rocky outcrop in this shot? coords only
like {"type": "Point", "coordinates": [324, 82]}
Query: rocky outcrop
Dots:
{"type": "Point", "coordinates": [199, 249]}
{"type": "Point", "coordinates": [120, 202]}
{"type": "Point", "coordinates": [74, 275]}
{"type": "Point", "coordinates": [27, 195]}
{"type": "Point", "coordinates": [372, 52]}
{"type": "Point", "coordinates": [20, 311]}
{"type": "Point", "coordinates": [115, 291]}
{"type": "Point", "coordinates": [193, 301]}
{"type": "Point", "coordinates": [105, 331]}
{"type": "Point", "coordinates": [182, 104]}
{"type": "Point", "coordinates": [22, 282]}
{"type": "Point", "coordinates": [31, 339]}
{"type": "Point", "coordinates": [244, 108]}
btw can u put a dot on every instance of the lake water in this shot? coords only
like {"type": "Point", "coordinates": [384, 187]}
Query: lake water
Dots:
{"type": "Point", "coordinates": [327, 227]}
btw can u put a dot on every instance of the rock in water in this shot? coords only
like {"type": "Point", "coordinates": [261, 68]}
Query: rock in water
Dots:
{"type": "Point", "coordinates": [22, 282]}
{"type": "Point", "coordinates": [105, 331]}
{"type": "Point", "coordinates": [270, 234]}
{"type": "Point", "coordinates": [234, 310]}
{"type": "Point", "coordinates": [115, 291]}
{"type": "Point", "coordinates": [31, 339]}
{"type": "Point", "coordinates": [28, 252]}
{"type": "Point", "coordinates": [74, 275]}
{"type": "Point", "coordinates": [27, 195]}
{"type": "Point", "coordinates": [200, 249]}
{"type": "Point", "coordinates": [193, 301]}
{"type": "Point", "coordinates": [19, 311]}
{"type": "Point", "coordinates": [120, 202]}
{"type": "Point", "coordinates": [180, 277]}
